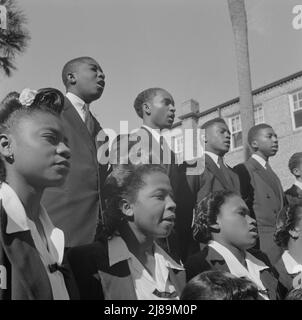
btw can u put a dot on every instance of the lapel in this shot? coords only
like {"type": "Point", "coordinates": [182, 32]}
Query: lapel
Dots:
{"type": "Point", "coordinates": [266, 177]}
{"type": "Point", "coordinates": [212, 167]}
{"type": "Point", "coordinates": [216, 260]}
{"type": "Point", "coordinates": [73, 118]}
{"type": "Point", "coordinates": [116, 286]}
{"type": "Point", "coordinates": [297, 191]}
{"type": "Point", "coordinates": [25, 260]}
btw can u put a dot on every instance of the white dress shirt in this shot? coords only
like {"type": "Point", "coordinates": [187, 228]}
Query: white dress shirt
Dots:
{"type": "Point", "coordinates": [298, 184]}
{"type": "Point", "coordinates": [215, 157]}
{"type": "Point", "coordinates": [144, 283]}
{"type": "Point", "coordinates": [80, 105]}
{"type": "Point", "coordinates": [254, 265]}
{"type": "Point", "coordinates": [18, 221]}
{"type": "Point", "coordinates": [260, 160]}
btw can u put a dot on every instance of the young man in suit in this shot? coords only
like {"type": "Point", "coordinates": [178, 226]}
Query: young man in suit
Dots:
{"type": "Point", "coordinates": [155, 106]}
{"type": "Point", "coordinates": [216, 176]}
{"type": "Point", "coordinates": [261, 188]}
{"type": "Point", "coordinates": [294, 193]}
{"type": "Point", "coordinates": [76, 206]}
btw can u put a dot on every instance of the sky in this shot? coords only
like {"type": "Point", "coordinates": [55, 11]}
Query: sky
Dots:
{"type": "Point", "coordinates": [184, 46]}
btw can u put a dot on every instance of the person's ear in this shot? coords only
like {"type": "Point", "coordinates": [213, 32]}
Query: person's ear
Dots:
{"type": "Point", "coordinates": [71, 78]}
{"type": "Point", "coordinates": [254, 145]}
{"type": "Point", "coordinates": [147, 108]}
{"type": "Point", "coordinates": [294, 233]}
{"type": "Point", "coordinates": [297, 172]}
{"type": "Point", "coordinates": [215, 227]}
{"type": "Point", "coordinates": [5, 147]}
{"type": "Point", "coordinates": [126, 209]}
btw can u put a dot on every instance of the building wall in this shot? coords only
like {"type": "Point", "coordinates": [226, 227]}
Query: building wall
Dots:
{"type": "Point", "coordinates": [276, 106]}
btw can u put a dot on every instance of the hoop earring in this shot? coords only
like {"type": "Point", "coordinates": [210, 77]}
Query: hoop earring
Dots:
{"type": "Point", "coordinates": [10, 159]}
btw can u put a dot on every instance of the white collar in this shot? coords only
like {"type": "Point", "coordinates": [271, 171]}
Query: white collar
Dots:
{"type": "Point", "coordinates": [298, 184]}
{"type": "Point", "coordinates": [118, 251]}
{"type": "Point", "coordinates": [259, 159]}
{"type": "Point", "coordinates": [155, 132]}
{"type": "Point", "coordinates": [291, 265]}
{"type": "Point", "coordinates": [78, 104]}
{"type": "Point", "coordinates": [215, 157]}
{"type": "Point", "coordinates": [254, 265]}
{"type": "Point", "coordinates": [17, 220]}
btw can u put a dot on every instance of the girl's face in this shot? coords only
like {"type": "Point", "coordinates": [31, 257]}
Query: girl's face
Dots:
{"type": "Point", "coordinates": [39, 147]}
{"type": "Point", "coordinates": [237, 227]}
{"type": "Point", "coordinates": [153, 210]}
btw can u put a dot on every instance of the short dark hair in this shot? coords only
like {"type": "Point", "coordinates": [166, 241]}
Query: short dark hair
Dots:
{"type": "Point", "coordinates": [253, 132]}
{"type": "Point", "coordinates": [123, 182]}
{"type": "Point", "coordinates": [294, 161]}
{"type": "Point", "coordinates": [219, 285]}
{"type": "Point", "coordinates": [206, 213]}
{"type": "Point", "coordinates": [143, 97]}
{"type": "Point", "coordinates": [213, 121]}
{"type": "Point", "coordinates": [71, 66]}
{"type": "Point", "coordinates": [288, 218]}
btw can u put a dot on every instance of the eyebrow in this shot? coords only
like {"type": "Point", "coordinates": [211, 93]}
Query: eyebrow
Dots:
{"type": "Point", "coordinates": [170, 192]}
{"type": "Point", "coordinates": [57, 132]}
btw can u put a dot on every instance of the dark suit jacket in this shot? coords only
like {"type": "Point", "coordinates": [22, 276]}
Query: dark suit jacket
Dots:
{"type": "Point", "coordinates": [26, 278]}
{"type": "Point", "coordinates": [210, 259]}
{"type": "Point", "coordinates": [265, 199]}
{"type": "Point", "coordinates": [76, 206]}
{"type": "Point", "coordinates": [97, 280]}
{"type": "Point", "coordinates": [211, 180]}
{"type": "Point", "coordinates": [194, 188]}
{"type": "Point", "coordinates": [294, 195]}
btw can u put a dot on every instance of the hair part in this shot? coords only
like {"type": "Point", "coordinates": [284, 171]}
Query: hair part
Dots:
{"type": "Point", "coordinates": [254, 131]}
{"type": "Point", "coordinates": [206, 213]}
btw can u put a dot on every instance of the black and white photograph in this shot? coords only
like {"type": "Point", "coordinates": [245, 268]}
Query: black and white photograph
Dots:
{"type": "Point", "coordinates": [150, 150]}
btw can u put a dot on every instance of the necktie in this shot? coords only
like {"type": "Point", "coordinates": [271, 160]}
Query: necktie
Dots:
{"type": "Point", "coordinates": [274, 178]}
{"type": "Point", "coordinates": [88, 119]}
{"type": "Point", "coordinates": [225, 172]}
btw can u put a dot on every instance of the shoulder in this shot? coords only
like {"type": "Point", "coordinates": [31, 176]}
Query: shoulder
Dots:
{"type": "Point", "coordinates": [197, 263]}
{"type": "Point", "coordinates": [87, 254]}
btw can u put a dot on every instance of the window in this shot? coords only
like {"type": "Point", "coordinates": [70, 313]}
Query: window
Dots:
{"type": "Point", "coordinates": [259, 115]}
{"type": "Point", "coordinates": [296, 109]}
{"type": "Point", "coordinates": [236, 132]}
{"type": "Point", "coordinates": [235, 126]}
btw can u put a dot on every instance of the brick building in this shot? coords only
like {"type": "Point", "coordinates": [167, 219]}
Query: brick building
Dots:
{"type": "Point", "coordinates": [278, 104]}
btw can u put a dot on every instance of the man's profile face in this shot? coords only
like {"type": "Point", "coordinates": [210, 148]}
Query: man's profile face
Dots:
{"type": "Point", "coordinates": [90, 80]}
{"type": "Point", "coordinates": [218, 138]}
{"type": "Point", "coordinates": [162, 110]}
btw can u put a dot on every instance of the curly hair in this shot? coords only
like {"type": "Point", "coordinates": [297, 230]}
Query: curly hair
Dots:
{"type": "Point", "coordinates": [123, 182]}
{"type": "Point", "coordinates": [11, 111]}
{"type": "Point", "coordinates": [206, 212]}
{"type": "Point", "coordinates": [287, 221]}
{"type": "Point", "coordinates": [219, 285]}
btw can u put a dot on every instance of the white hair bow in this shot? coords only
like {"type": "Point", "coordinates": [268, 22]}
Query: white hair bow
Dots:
{"type": "Point", "coordinates": [27, 97]}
